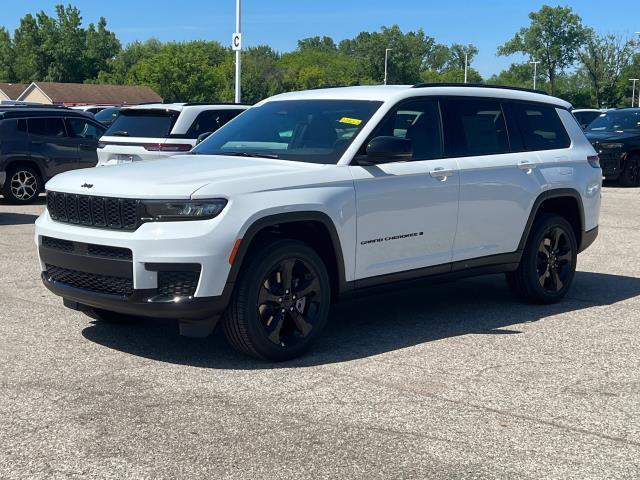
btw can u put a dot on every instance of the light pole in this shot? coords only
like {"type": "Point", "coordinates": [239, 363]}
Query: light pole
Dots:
{"type": "Point", "coordinates": [237, 46]}
{"type": "Point", "coordinates": [633, 91]}
{"type": "Point", "coordinates": [466, 66]}
{"type": "Point", "coordinates": [386, 60]}
{"type": "Point", "coordinates": [535, 72]}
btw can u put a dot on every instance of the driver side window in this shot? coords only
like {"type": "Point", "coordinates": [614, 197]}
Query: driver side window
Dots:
{"type": "Point", "coordinates": [419, 122]}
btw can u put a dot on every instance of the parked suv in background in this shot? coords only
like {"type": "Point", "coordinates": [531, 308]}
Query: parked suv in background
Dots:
{"type": "Point", "coordinates": [586, 115]}
{"type": "Point", "coordinates": [37, 143]}
{"type": "Point", "coordinates": [154, 131]}
{"type": "Point", "coordinates": [313, 195]}
{"type": "Point", "coordinates": [616, 137]}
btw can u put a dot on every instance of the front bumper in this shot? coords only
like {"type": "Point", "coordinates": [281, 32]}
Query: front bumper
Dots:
{"type": "Point", "coordinates": [140, 303]}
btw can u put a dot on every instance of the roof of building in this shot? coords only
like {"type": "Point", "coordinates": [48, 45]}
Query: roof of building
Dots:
{"type": "Point", "coordinates": [394, 93]}
{"type": "Point", "coordinates": [94, 93]}
{"type": "Point", "coordinates": [12, 90]}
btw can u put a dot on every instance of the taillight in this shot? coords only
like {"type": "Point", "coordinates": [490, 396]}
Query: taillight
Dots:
{"type": "Point", "coordinates": [167, 147]}
{"type": "Point", "coordinates": [594, 161]}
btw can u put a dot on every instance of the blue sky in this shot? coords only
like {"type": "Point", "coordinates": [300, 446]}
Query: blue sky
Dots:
{"type": "Point", "coordinates": [281, 23]}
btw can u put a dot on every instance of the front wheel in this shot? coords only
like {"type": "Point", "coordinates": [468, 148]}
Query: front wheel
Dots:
{"type": "Point", "coordinates": [548, 263]}
{"type": "Point", "coordinates": [630, 176]}
{"type": "Point", "coordinates": [281, 302]}
{"type": "Point", "coordinates": [22, 185]}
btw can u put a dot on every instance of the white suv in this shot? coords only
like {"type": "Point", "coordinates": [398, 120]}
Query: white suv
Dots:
{"type": "Point", "coordinates": [312, 195]}
{"type": "Point", "coordinates": [153, 131]}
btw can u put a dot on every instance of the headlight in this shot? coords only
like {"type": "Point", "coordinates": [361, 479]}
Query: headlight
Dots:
{"type": "Point", "coordinates": [176, 210]}
{"type": "Point", "coordinates": [611, 145]}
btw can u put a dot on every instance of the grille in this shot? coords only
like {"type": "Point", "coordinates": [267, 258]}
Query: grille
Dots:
{"type": "Point", "coordinates": [91, 281]}
{"type": "Point", "coordinates": [91, 211]}
{"type": "Point", "coordinates": [109, 252]}
{"type": "Point", "coordinates": [58, 244]}
{"type": "Point", "coordinates": [177, 284]}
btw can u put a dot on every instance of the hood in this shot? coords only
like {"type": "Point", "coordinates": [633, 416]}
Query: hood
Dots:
{"type": "Point", "coordinates": [174, 177]}
{"type": "Point", "coordinates": [611, 136]}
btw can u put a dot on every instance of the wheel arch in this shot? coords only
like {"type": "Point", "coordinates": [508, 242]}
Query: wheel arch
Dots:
{"type": "Point", "coordinates": [315, 228]}
{"type": "Point", "coordinates": [13, 162]}
{"type": "Point", "coordinates": [566, 202]}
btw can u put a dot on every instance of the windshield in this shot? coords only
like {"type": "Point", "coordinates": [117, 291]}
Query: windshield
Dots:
{"type": "Point", "coordinates": [616, 121]}
{"type": "Point", "coordinates": [151, 123]}
{"type": "Point", "coordinates": [314, 131]}
{"type": "Point", "coordinates": [107, 115]}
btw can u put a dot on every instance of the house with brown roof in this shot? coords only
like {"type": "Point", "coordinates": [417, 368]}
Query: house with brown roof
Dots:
{"type": "Point", "coordinates": [72, 94]}
{"type": "Point", "coordinates": [11, 91]}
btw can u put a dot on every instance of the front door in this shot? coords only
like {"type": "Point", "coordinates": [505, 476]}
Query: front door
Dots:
{"type": "Point", "coordinates": [86, 134]}
{"type": "Point", "coordinates": [407, 211]}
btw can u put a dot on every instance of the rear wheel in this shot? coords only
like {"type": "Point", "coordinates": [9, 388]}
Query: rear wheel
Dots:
{"type": "Point", "coordinates": [548, 262]}
{"type": "Point", "coordinates": [630, 176]}
{"type": "Point", "coordinates": [281, 302]}
{"type": "Point", "coordinates": [22, 185]}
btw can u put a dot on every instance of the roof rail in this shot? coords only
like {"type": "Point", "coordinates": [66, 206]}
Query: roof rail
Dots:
{"type": "Point", "coordinates": [190, 104]}
{"type": "Point", "coordinates": [480, 85]}
{"type": "Point", "coordinates": [31, 105]}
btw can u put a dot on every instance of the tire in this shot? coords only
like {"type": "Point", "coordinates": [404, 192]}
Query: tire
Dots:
{"type": "Point", "coordinates": [22, 185]}
{"type": "Point", "coordinates": [630, 176]}
{"type": "Point", "coordinates": [268, 317]}
{"type": "Point", "coordinates": [548, 263]}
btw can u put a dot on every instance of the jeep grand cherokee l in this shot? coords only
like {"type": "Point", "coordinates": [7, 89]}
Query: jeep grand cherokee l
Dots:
{"type": "Point", "coordinates": [313, 195]}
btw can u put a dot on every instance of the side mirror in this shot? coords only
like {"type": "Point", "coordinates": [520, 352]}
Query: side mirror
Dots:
{"type": "Point", "coordinates": [387, 149]}
{"type": "Point", "coordinates": [202, 137]}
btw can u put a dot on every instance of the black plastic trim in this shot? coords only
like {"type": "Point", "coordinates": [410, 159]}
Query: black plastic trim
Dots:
{"type": "Point", "coordinates": [546, 195]}
{"type": "Point", "coordinates": [282, 218]}
{"type": "Point", "coordinates": [588, 238]}
{"type": "Point", "coordinates": [111, 267]}
{"type": "Point", "coordinates": [173, 267]}
{"type": "Point", "coordinates": [140, 304]}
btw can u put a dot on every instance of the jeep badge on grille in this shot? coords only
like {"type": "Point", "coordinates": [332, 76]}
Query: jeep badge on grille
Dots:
{"type": "Point", "coordinates": [86, 185]}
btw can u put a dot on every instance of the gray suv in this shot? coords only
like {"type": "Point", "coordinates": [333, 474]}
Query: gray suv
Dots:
{"type": "Point", "coordinates": [37, 143]}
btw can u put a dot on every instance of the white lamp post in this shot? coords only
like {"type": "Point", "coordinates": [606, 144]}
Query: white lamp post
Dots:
{"type": "Point", "coordinates": [386, 60]}
{"type": "Point", "coordinates": [633, 91]}
{"type": "Point", "coordinates": [236, 44]}
{"type": "Point", "coordinates": [535, 73]}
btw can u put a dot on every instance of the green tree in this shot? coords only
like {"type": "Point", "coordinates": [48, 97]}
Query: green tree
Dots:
{"type": "Point", "coordinates": [6, 56]}
{"type": "Point", "coordinates": [261, 74]}
{"type": "Point", "coordinates": [603, 60]}
{"type": "Point", "coordinates": [517, 75]}
{"type": "Point", "coordinates": [117, 69]}
{"type": "Point", "coordinates": [553, 37]}
{"type": "Point", "coordinates": [456, 55]}
{"type": "Point", "coordinates": [29, 64]}
{"type": "Point", "coordinates": [101, 46]}
{"type": "Point", "coordinates": [324, 44]}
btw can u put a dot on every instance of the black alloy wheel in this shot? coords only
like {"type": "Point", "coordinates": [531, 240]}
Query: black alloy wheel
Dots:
{"type": "Point", "coordinates": [289, 302]}
{"type": "Point", "coordinates": [548, 263]}
{"type": "Point", "coordinates": [280, 303]}
{"type": "Point", "coordinates": [630, 176]}
{"type": "Point", "coordinates": [555, 260]}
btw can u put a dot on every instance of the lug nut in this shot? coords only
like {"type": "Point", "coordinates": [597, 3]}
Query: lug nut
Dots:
{"type": "Point", "coordinates": [280, 300]}
{"type": "Point", "coordinates": [291, 308]}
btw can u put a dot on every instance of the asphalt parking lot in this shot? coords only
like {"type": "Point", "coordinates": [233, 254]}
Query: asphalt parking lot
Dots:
{"type": "Point", "coordinates": [445, 381]}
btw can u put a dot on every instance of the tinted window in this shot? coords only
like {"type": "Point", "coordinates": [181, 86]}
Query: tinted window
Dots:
{"type": "Point", "coordinates": [83, 129]}
{"type": "Point", "coordinates": [13, 127]}
{"type": "Point", "coordinates": [616, 121]}
{"type": "Point", "coordinates": [540, 126]}
{"type": "Point", "coordinates": [314, 131]}
{"type": "Point", "coordinates": [107, 115]}
{"type": "Point", "coordinates": [153, 123]}
{"type": "Point", "coordinates": [210, 121]}
{"type": "Point", "coordinates": [419, 122]}
{"type": "Point", "coordinates": [47, 127]}
{"type": "Point", "coordinates": [585, 118]}
{"type": "Point", "coordinates": [474, 127]}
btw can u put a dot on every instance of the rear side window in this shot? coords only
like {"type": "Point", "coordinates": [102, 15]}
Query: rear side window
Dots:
{"type": "Point", "coordinates": [84, 129]}
{"type": "Point", "coordinates": [474, 127]}
{"type": "Point", "coordinates": [13, 127]}
{"type": "Point", "coordinates": [540, 126]}
{"type": "Point", "coordinates": [151, 123]}
{"type": "Point", "coordinates": [211, 120]}
{"type": "Point", "coordinates": [47, 127]}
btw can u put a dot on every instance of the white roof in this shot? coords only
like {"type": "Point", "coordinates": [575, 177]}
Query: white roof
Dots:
{"type": "Point", "coordinates": [178, 107]}
{"type": "Point", "coordinates": [386, 93]}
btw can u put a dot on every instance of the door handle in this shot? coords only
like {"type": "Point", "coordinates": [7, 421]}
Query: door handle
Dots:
{"type": "Point", "coordinates": [441, 173]}
{"type": "Point", "coordinates": [527, 166]}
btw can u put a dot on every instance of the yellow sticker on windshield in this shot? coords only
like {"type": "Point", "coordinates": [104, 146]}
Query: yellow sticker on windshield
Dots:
{"type": "Point", "coordinates": [352, 121]}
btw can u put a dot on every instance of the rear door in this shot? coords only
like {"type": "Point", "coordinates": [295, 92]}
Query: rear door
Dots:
{"type": "Point", "coordinates": [51, 145]}
{"type": "Point", "coordinates": [86, 133]}
{"type": "Point", "coordinates": [499, 180]}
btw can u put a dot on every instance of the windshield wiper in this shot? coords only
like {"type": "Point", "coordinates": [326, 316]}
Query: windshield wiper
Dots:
{"type": "Point", "coordinates": [120, 133]}
{"type": "Point", "coordinates": [248, 154]}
